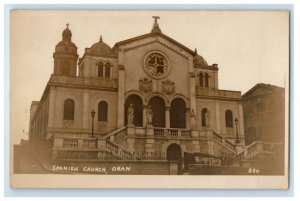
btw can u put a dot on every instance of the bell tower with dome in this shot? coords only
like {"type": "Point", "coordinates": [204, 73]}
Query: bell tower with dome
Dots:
{"type": "Point", "coordinates": [65, 55]}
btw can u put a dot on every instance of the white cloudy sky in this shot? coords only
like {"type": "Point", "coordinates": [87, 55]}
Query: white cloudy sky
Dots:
{"type": "Point", "coordinates": [250, 47]}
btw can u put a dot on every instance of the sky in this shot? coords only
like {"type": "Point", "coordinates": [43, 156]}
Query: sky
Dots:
{"type": "Point", "coordinates": [250, 47]}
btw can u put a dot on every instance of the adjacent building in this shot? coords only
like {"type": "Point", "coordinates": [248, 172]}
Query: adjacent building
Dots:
{"type": "Point", "coordinates": [264, 114]}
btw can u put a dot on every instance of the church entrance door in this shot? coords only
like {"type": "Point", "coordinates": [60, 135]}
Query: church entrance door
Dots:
{"type": "Point", "coordinates": [158, 109]}
{"type": "Point", "coordinates": [174, 154]}
{"type": "Point", "coordinates": [177, 113]}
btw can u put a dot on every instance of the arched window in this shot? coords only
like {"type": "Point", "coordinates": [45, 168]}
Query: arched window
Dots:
{"type": "Point", "coordinates": [201, 79]}
{"type": "Point", "coordinates": [158, 108]}
{"type": "Point", "coordinates": [229, 119]}
{"type": "Point", "coordinates": [100, 69]}
{"type": "Point", "coordinates": [107, 70]}
{"type": "Point", "coordinates": [203, 114]}
{"type": "Point", "coordinates": [206, 80]}
{"type": "Point", "coordinates": [177, 113]}
{"type": "Point", "coordinates": [102, 111]}
{"type": "Point", "coordinates": [69, 106]}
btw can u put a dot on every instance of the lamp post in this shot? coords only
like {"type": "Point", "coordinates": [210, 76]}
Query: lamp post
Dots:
{"type": "Point", "coordinates": [236, 126]}
{"type": "Point", "coordinates": [93, 116]}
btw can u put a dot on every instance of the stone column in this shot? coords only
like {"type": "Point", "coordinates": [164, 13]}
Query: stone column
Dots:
{"type": "Point", "coordinates": [121, 91]}
{"type": "Point", "coordinates": [130, 142]}
{"type": "Point", "coordinates": [167, 117]}
{"type": "Point", "coordinates": [241, 121]}
{"type": "Point", "coordinates": [58, 142]}
{"type": "Point", "coordinates": [101, 143]}
{"type": "Point", "coordinates": [192, 97]}
{"type": "Point", "coordinates": [196, 146]}
{"type": "Point", "coordinates": [149, 146]}
{"type": "Point", "coordinates": [218, 120]}
{"type": "Point", "coordinates": [52, 104]}
{"type": "Point", "coordinates": [187, 118]}
{"type": "Point", "coordinates": [80, 143]}
{"type": "Point", "coordinates": [85, 110]}
{"type": "Point", "coordinates": [211, 147]}
{"type": "Point", "coordinates": [145, 107]}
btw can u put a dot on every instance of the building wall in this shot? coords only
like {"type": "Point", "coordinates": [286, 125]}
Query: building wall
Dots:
{"type": "Point", "coordinates": [85, 101]}
{"type": "Point", "coordinates": [264, 116]}
{"type": "Point", "coordinates": [179, 69]}
{"type": "Point", "coordinates": [39, 120]}
{"type": "Point", "coordinates": [217, 120]}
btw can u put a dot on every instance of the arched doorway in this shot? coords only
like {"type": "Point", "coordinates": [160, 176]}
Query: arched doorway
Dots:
{"type": "Point", "coordinates": [137, 104]}
{"type": "Point", "coordinates": [177, 113]}
{"type": "Point", "coordinates": [158, 108]}
{"type": "Point", "coordinates": [174, 152]}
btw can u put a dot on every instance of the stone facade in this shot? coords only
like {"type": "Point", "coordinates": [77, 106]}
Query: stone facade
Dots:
{"type": "Point", "coordinates": [150, 72]}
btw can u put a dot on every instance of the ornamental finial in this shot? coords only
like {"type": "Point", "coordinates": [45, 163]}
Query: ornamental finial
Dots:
{"type": "Point", "coordinates": [155, 28]}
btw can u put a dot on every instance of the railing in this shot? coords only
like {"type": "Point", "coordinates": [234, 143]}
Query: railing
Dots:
{"type": "Point", "coordinates": [112, 147]}
{"type": "Point", "coordinates": [107, 83]}
{"type": "Point", "coordinates": [229, 144]}
{"type": "Point", "coordinates": [117, 135]}
{"type": "Point", "coordinates": [90, 143]}
{"type": "Point", "coordinates": [83, 155]}
{"type": "Point", "coordinates": [219, 93]}
{"type": "Point", "coordinates": [69, 142]}
{"type": "Point", "coordinates": [173, 132]}
{"type": "Point", "coordinates": [120, 135]}
{"type": "Point", "coordinates": [223, 141]}
{"type": "Point", "coordinates": [251, 150]}
{"type": "Point", "coordinates": [103, 155]}
{"type": "Point", "coordinates": [217, 137]}
{"type": "Point", "coordinates": [117, 150]}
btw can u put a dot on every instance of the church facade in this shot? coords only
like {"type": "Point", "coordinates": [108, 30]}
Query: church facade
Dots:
{"type": "Point", "coordinates": [145, 96]}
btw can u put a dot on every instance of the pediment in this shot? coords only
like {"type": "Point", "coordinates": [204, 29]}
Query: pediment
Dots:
{"type": "Point", "coordinates": [149, 39]}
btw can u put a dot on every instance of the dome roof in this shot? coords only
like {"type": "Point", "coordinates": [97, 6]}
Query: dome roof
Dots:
{"type": "Point", "coordinates": [67, 34]}
{"type": "Point", "coordinates": [199, 60]}
{"type": "Point", "coordinates": [66, 45]}
{"type": "Point", "coordinates": [101, 48]}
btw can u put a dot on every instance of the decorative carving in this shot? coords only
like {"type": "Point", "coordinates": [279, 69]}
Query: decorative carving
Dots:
{"type": "Point", "coordinates": [130, 115]}
{"type": "Point", "coordinates": [145, 85]}
{"type": "Point", "coordinates": [168, 87]}
{"type": "Point", "coordinates": [149, 116]}
{"type": "Point", "coordinates": [207, 118]}
{"type": "Point", "coordinates": [156, 65]}
{"type": "Point", "coordinates": [177, 50]}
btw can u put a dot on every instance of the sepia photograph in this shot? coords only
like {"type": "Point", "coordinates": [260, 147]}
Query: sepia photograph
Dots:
{"type": "Point", "coordinates": [186, 99]}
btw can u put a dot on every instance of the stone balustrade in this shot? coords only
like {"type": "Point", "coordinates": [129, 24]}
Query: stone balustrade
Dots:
{"type": "Point", "coordinates": [218, 93]}
{"type": "Point", "coordinates": [84, 81]}
{"type": "Point", "coordinates": [173, 132]}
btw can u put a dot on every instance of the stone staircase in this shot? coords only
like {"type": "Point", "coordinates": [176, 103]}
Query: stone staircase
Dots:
{"type": "Point", "coordinates": [112, 145]}
{"type": "Point", "coordinates": [256, 150]}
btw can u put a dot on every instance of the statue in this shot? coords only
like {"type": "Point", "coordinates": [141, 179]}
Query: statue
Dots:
{"type": "Point", "coordinates": [149, 116]}
{"type": "Point", "coordinates": [130, 115]}
{"type": "Point", "coordinates": [207, 114]}
{"type": "Point", "coordinates": [193, 120]}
